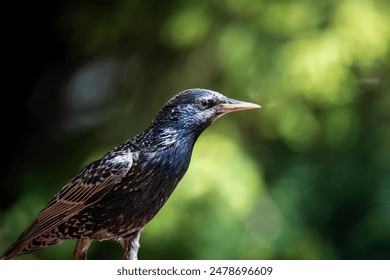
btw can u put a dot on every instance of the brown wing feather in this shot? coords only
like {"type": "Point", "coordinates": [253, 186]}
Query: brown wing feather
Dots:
{"type": "Point", "coordinates": [89, 186]}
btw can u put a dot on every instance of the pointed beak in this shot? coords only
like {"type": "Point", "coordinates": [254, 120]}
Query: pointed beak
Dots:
{"type": "Point", "coordinates": [236, 105]}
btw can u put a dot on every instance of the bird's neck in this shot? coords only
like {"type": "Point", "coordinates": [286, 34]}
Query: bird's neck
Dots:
{"type": "Point", "coordinates": [156, 137]}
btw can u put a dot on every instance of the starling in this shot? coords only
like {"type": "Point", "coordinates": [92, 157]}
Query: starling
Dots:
{"type": "Point", "coordinates": [115, 196]}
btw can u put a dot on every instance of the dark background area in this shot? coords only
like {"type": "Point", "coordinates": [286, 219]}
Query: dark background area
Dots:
{"type": "Point", "coordinates": [305, 177]}
{"type": "Point", "coordinates": [31, 48]}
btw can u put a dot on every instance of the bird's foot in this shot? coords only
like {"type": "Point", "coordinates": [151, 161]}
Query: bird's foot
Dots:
{"type": "Point", "coordinates": [131, 246]}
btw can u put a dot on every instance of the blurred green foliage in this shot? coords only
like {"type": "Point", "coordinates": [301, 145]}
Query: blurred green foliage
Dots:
{"type": "Point", "coordinates": [305, 177]}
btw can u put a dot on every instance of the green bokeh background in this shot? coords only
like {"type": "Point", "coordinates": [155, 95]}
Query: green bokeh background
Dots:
{"type": "Point", "coordinates": [305, 177]}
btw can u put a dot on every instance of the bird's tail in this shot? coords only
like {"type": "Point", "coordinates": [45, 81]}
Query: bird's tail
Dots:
{"type": "Point", "coordinates": [22, 246]}
{"type": "Point", "coordinates": [13, 251]}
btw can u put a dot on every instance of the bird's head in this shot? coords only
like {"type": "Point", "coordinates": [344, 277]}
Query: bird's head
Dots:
{"type": "Point", "coordinates": [193, 110]}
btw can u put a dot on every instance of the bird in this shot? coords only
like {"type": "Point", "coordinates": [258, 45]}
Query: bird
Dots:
{"type": "Point", "coordinates": [114, 197]}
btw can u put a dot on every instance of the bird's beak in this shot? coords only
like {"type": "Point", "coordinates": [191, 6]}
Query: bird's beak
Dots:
{"type": "Point", "coordinates": [236, 105]}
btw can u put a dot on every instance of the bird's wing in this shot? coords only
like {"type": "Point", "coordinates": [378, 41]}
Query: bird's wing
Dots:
{"type": "Point", "coordinates": [89, 186]}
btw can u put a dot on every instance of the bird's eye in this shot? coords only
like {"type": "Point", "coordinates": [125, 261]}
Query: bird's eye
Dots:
{"type": "Point", "coordinates": [205, 104]}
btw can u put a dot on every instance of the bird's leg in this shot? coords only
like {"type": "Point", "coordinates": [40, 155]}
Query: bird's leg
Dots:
{"type": "Point", "coordinates": [80, 251]}
{"type": "Point", "coordinates": [131, 246]}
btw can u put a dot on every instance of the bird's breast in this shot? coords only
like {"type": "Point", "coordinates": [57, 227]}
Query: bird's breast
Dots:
{"type": "Point", "coordinates": [160, 172]}
{"type": "Point", "coordinates": [154, 177]}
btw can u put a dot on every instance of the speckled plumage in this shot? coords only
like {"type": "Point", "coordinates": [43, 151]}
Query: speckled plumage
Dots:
{"type": "Point", "coordinates": [117, 195]}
